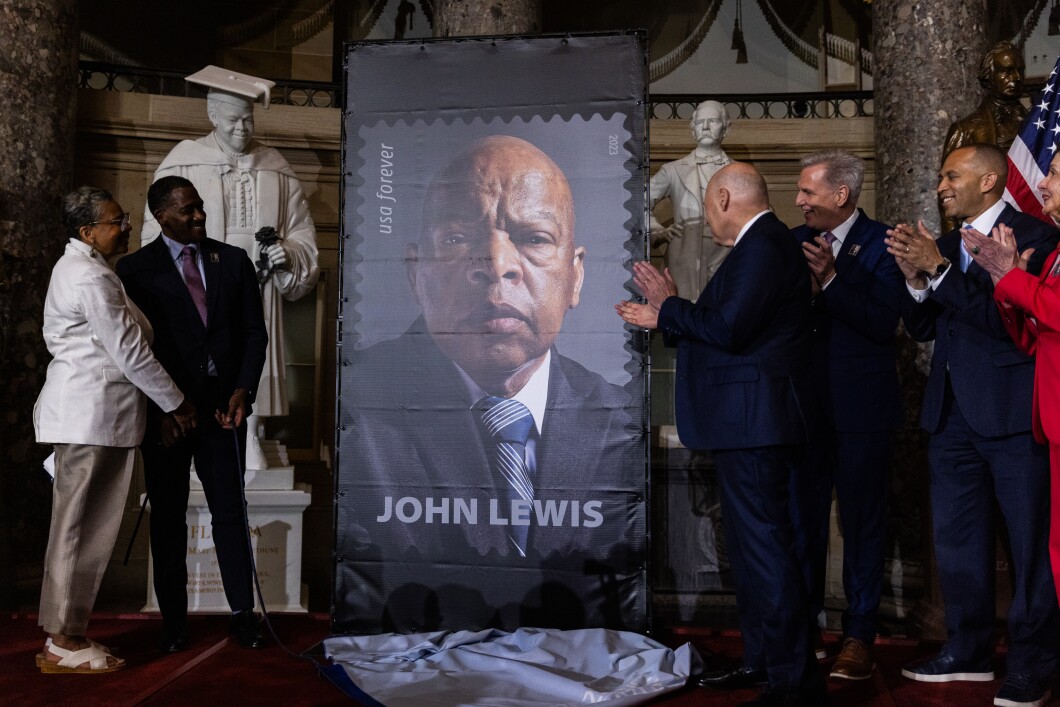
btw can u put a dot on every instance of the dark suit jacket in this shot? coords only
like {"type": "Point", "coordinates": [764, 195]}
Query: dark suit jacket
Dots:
{"type": "Point", "coordinates": [407, 431]}
{"type": "Point", "coordinates": [991, 378]}
{"type": "Point", "coordinates": [235, 337]}
{"type": "Point", "coordinates": [743, 346]}
{"type": "Point", "coordinates": [854, 319]}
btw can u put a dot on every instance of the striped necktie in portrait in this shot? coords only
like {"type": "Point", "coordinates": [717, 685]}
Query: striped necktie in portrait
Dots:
{"type": "Point", "coordinates": [508, 423]}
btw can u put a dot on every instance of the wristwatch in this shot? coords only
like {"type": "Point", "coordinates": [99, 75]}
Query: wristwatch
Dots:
{"type": "Point", "coordinates": [940, 269]}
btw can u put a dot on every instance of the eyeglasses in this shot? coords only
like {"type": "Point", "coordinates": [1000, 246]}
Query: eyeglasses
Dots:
{"type": "Point", "coordinates": [124, 221]}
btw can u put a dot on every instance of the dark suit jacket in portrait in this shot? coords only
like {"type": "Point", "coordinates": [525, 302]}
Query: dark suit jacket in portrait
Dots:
{"type": "Point", "coordinates": [991, 378]}
{"type": "Point", "coordinates": [236, 337]}
{"type": "Point", "coordinates": [743, 346]}
{"type": "Point", "coordinates": [854, 320]}
{"type": "Point", "coordinates": [409, 432]}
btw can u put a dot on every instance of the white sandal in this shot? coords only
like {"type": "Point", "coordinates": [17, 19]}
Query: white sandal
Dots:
{"type": "Point", "coordinates": [73, 661]}
{"type": "Point", "coordinates": [43, 657]}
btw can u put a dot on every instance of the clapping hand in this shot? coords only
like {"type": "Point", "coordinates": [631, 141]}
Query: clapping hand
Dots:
{"type": "Point", "coordinates": [821, 261]}
{"type": "Point", "coordinates": [656, 287]}
{"type": "Point", "coordinates": [639, 315]}
{"type": "Point", "coordinates": [915, 251]}
{"type": "Point", "coordinates": [997, 255]}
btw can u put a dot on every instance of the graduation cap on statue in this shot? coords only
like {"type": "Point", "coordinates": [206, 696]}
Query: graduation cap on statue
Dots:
{"type": "Point", "coordinates": [232, 86]}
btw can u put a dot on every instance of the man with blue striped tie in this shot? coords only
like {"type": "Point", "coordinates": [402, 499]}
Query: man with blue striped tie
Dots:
{"type": "Point", "coordinates": [486, 448]}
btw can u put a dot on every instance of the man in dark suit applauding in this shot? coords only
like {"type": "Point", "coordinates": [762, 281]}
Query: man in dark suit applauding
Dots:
{"type": "Point", "coordinates": [201, 296]}
{"type": "Point", "coordinates": [977, 407]}
{"type": "Point", "coordinates": [857, 292]}
{"type": "Point", "coordinates": [742, 357]}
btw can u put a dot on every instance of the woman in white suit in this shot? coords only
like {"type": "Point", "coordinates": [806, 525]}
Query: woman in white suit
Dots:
{"type": "Point", "coordinates": [93, 410]}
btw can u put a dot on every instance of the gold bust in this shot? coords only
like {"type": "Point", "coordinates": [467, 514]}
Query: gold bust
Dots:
{"type": "Point", "coordinates": [998, 118]}
{"type": "Point", "coordinates": [1000, 114]}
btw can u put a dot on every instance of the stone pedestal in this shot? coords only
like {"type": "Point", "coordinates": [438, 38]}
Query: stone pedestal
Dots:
{"type": "Point", "coordinates": [275, 453]}
{"type": "Point", "coordinates": [275, 515]}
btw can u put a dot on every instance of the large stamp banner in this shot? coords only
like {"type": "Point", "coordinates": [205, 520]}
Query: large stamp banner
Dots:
{"type": "Point", "coordinates": [491, 456]}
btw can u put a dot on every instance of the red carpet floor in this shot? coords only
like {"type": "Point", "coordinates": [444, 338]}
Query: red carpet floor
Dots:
{"type": "Point", "coordinates": [216, 671]}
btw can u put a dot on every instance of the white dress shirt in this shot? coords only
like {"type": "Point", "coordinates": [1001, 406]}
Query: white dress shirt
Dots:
{"type": "Point", "coordinates": [534, 395]}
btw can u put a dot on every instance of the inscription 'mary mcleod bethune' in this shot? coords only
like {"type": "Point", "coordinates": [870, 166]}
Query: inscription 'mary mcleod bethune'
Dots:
{"type": "Point", "coordinates": [539, 512]}
{"type": "Point", "coordinates": [386, 189]}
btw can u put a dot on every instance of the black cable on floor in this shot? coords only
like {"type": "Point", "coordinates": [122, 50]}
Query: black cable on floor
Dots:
{"type": "Point", "coordinates": [333, 673]}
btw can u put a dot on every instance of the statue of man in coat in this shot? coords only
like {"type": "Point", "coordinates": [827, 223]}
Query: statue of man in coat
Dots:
{"type": "Point", "coordinates": [691, 253]}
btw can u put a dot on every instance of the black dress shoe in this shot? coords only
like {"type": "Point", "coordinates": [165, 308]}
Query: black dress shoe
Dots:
{"type": "Point", "coordinates": [736, 677]}
{"type": "Point", "coordinates": [247, 629]}
{"type": "Point", "coordinates": [172, 641]}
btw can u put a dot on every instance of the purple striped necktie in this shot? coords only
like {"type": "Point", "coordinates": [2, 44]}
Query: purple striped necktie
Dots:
{"type": "Point", "coordinates": [193, 280]}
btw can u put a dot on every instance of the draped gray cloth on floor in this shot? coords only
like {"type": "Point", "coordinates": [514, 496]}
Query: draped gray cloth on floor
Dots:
{"type": "Point", "coordinates": [527, 667]}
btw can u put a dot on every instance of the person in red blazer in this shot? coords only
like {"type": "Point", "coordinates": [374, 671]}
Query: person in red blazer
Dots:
{"type": "Point", "coordinates": [1030, 309]}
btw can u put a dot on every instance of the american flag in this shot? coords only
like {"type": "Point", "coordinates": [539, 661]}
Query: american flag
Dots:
{"type": "Point", "coordinates": [1033, 149]}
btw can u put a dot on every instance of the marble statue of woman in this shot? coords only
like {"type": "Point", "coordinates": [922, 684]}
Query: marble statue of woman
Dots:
{"type": "Point", "coordinates": [246, 186]}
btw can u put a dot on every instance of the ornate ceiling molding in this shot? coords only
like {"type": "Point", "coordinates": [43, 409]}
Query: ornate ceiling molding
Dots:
{"type": "Point", "coordinates": [680, 54]}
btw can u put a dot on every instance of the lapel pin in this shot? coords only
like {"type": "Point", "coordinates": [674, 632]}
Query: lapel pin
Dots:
{"type": "Point", "coordinates": [215, 258]}
{"type": "Point", "coordinates": [855, 248]}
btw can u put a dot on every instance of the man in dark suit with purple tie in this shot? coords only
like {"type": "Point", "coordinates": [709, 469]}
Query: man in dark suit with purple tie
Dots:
{"type": "Point", "coordinates": [857, 292]}
{"type": "Point", "coordinates": [202, 299]}
{"type": "Point", "coordinates": [977, 407]}
{"type": "Point", "coordinates": [741, 389]}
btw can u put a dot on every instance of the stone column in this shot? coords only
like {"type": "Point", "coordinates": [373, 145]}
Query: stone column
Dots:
{"type": "Point", "coordinates": [455, 18]}
{"type": "Point", "coordinates": [38, 89]}
{"type": "Point", "coordinates": [926, 55]}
